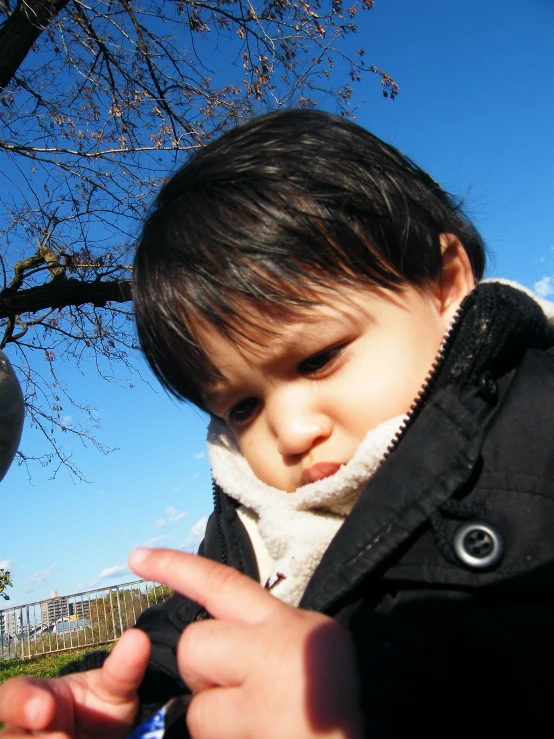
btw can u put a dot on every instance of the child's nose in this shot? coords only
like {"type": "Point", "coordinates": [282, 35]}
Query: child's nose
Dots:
{"type": "Point", "coordinates": [297, 429]}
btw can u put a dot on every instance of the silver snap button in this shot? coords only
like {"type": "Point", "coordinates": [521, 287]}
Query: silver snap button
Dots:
{"type": "Point", "coordinates": [479, 544]}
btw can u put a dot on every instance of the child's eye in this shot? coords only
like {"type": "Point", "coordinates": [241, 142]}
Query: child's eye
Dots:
{"type": "Point", "coordinates": [243, 411]}
{"type": "Point", "coordinates": [319, 361]}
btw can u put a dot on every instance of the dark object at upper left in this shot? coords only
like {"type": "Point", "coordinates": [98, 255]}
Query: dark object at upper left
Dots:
{"type": "Point", "coordinates": [12, 412]}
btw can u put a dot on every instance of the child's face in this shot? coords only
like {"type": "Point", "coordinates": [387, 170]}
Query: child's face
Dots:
{"type": "Point", "coordinates": [300, 404]}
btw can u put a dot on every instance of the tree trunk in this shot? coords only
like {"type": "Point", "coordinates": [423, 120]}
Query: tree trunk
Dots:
{"type": "Point", "coordinates": [20, 31]}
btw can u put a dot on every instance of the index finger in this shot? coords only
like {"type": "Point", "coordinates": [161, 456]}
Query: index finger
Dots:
{"type": "Point", "coordinates": [221, 590]}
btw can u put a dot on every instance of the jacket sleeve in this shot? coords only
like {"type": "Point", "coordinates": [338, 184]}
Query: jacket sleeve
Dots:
{"type": "Point", "coordinates": [164, 625]}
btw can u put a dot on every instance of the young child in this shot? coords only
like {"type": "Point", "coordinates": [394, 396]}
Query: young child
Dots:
{"type": "Point", "coordinates": [382, 452]}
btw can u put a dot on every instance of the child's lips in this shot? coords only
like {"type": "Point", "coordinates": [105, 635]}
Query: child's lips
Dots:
{"type": "Point", "coordinates": [319, 471]}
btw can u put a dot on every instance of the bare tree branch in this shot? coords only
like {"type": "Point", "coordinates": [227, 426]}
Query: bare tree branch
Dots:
{"type": "Point", "coordinates": [99, 101]}
{"type": "Point", "coordinates": [59, 295]}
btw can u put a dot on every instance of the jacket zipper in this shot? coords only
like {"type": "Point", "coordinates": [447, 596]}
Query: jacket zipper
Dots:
{"type": "Point", "coordinates": [217, 511]}
{"type": "Point", "coordinates": [429, 382]}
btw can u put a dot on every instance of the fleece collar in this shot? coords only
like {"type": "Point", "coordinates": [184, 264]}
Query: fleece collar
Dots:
{"type": "Point", "coordinates": [296, 528]}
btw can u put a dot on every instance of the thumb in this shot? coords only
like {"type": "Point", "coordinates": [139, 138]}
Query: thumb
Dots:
{"type": "Point", "coordinates": [123, 671]}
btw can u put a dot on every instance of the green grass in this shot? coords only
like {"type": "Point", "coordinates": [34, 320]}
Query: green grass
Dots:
{"type": "Point", "coordinates": [45, 666]}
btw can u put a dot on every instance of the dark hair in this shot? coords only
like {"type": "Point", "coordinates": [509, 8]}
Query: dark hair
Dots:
{"type": "Point", "coordinates": [269, 215]}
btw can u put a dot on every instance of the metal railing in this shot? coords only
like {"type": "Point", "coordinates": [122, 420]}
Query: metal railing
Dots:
{"type": "Point", "coordinates": [79, 620]}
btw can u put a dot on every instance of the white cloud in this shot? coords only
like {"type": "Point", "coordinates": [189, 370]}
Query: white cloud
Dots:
{"type": "Point", "coordinates": [66, 421]}
{"type": "Point", "coordinates": [111, 572]}
{"type": "Point", "coordinates": [200, 455]}
{"type": "Point", "coordinates": [545, 287]}
{"type": "Point", "coordinates": [6, 564]}
{"type": "Point", "coordinates": [174, 515]}
{"type": "Point", "coordinates": [108, 573]}
{"type": "Point", "coordinates": [155, 541]}
{"type": "Point", "coordinates": [196, 534]}
{"type": "Point", "coordinates": [41, 577]}
{"type": "Point", "coordinates": [199, 527]}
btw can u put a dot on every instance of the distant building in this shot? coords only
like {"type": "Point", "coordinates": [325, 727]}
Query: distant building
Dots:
{"type": "Point", "coordinates": [60, 607]}
{"type": "Point", "coordinates": [80, 609]}
{"type": "Point", "coordinates": [10, 622]}
{"type": "Point", "coordinates": [55, 608]}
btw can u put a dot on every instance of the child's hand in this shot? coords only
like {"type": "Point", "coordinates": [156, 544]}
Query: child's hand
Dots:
{"type": "Point", "coordinates": [98, 703]}
{"type": "Point", "coordinates": [260, 668]}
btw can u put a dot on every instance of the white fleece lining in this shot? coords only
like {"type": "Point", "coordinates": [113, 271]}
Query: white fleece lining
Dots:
{"type": "Point", "coordinates": [266, 564]}
{"type": "Point", "coordinates": [294, 529]}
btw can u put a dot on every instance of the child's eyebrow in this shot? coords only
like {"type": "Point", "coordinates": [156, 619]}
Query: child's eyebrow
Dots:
{"type": "Point", "coordinates": [215, 397]}
{"type": "Point", "coordinates": [298, 342]}
{"type": "Point", "coordinates": [216, 394]}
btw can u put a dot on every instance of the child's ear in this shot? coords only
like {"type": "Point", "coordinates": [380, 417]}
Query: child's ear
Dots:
{"type": "Point", "coordinates": [456, 279]}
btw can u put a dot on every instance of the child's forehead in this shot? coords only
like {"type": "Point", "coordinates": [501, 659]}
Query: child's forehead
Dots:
{"type": "Point", "coordinates": [262, 327]}
{"type": "Point", "coordinates": [262, 333]}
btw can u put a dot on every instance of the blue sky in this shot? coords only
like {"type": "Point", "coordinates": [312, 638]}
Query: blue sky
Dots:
{"type": "Point", "coordinates": [476, 109]}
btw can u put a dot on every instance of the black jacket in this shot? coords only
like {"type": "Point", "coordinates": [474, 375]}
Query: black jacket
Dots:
{"type": "Point", "coordinates": [444, 570]}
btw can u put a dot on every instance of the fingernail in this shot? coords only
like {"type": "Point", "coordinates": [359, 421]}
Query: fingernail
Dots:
{"type": "Point", "coordinates": [34, 710]}
{"type": "Point", "coordinates": [138, 555]}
